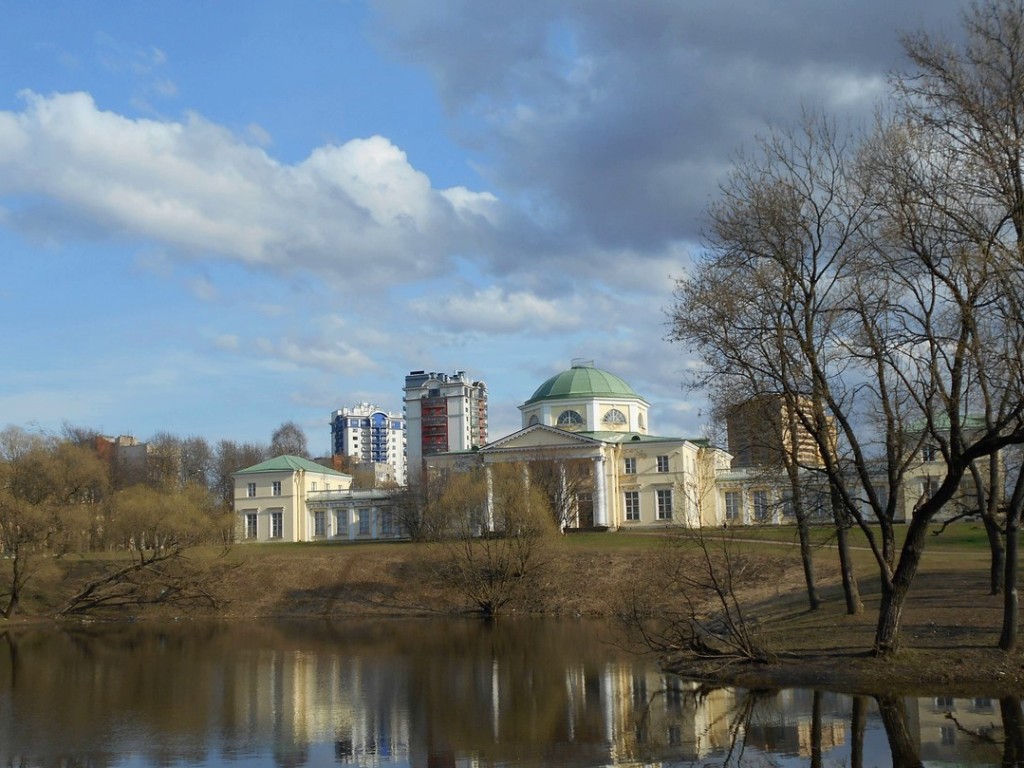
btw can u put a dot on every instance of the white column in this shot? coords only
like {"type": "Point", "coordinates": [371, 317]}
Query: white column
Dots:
{"type": "Point", "coordinates": [600, 497]}
{"type": "Point", "coordinates": [489, 521]}
{"type": "Point", "coordinates": [563, 513]}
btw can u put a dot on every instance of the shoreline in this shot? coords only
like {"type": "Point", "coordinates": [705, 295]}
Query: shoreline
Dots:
{"type": "Point", "coordinates": [949, 631]}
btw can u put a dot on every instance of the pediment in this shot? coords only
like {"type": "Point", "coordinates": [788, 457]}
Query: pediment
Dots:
{"type": "Point", "coordinates": [540, 436]}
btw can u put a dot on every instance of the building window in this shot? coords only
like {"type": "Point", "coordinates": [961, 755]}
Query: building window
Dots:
{"type": "Point", "coordinates": [569, 419]}
{"type": "Point", "coordinates": [387, 523]}
{"type": "Point", "coordinates": [250, 525]}
{"type": "Point", "coordinates": [319, 523]}
{"type": "Point", "coordinates": [664, 504]}
{"type": "Point", "coordinates": [732, 505]}
{"type": "Point", "coordinates": [250, 490]}
{"type": "Point", "coordinates": [632, 505]}
{"type": "Point", "coordinates": [534, 420]}
{"type": "Point", "coordinates": [276, 525]}
{"type": "Point", "coordinates": [340, 521]}
{"type": "Point", "coordinates": [313, 486]}
{"type": "Point", "coordinates": [364, 522]}
{"type": "Point", "coordinates": [929, 453]}
{"type": "Point", "coordinates": [760, 505]}
{"type": "Point", "coordinates": [629, 466]}
{"type": "Point", "coordinates": [275, 488]}
{"type": "Point", "coordinates": [615, 416]}
{"type": "Point", "coordinates": [663, 463]}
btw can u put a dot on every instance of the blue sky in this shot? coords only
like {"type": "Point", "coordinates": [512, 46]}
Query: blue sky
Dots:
{"type": "Point", "coordinates": [217, 217]}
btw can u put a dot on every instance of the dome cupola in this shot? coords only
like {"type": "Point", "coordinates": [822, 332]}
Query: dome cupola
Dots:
{"type": "Point", "coordinates": [586, 399]}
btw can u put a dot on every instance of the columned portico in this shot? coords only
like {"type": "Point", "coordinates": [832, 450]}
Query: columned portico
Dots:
{"type": "Point", "coordinates": [539, 443]}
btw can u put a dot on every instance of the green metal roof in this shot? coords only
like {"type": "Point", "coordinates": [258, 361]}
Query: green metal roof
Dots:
{"type": "Point", "coordinates": [582, 381]}
{"type": "Point", "coordinates": [289, 464]}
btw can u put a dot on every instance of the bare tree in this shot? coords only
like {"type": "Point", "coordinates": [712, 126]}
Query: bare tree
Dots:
{"type": "Point", "coordinates": [492, 569]}
{"type": "Point", "coordinates": [760, 308]}
{"type": "Point", "coordinates": [231, 457]}
{"type": "Point", "coordinates": [564, 483]}
{"type": "Point", "coordinates": [156, 527]}
{"type": "Point", "coordinates": [886, 285]}
{"type": "Point", "coordinates": [688, 602]}
{"type": "Point", "coordinates": [289, 439]}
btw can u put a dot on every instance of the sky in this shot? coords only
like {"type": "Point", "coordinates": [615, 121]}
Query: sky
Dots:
{"type": "Point", "coordinates": [218, 217]}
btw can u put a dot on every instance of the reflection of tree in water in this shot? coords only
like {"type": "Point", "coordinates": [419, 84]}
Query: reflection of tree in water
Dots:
{"type": "Point", "coordinates": [733, 722]}
{"type": "Point", "coordinates": [893, 711]}
{"type": "Point", "coordinates": [1013, 728]}
{"type": "Point", "coordinates": [756, 727]}
{"type": "Point", "coordinates": [979, 742]}
{"type": "Point", "coordinates": [1012, 738]}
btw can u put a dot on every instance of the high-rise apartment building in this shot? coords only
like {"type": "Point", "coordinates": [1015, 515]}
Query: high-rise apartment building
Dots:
{"type": "Point", "coordinates": [444, 412]}
{"type": "Point", "coordinates": [763, 430]}
{"type": "Point", "coordinates": [369, 435]}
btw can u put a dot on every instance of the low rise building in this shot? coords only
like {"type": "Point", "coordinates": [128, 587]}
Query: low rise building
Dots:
{"type": "Point", "coordinates": [289, 498]}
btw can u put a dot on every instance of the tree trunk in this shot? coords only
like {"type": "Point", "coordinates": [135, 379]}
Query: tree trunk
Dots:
{"type": "Point", "coordinates": [18, 579]}
{"type": "Point", "coordinates": [858, 725]}
{"type": "Point", "coordinates": [816, 750]}
{"type": "Point", "coordinates": [997, 564]}
{"type": "Point", "coordinates": [1011, 607]}
{"type": "Point", "coordinates": [850, 591]}
{"type": "Point", "coordinates": [1013, 730]}
{"type": "Point", "coordinates": [806, 552]}
{"type": "Point", "coordinates": [989, 499]}
{"type": "Point", "coordinates": [894, 718]}
{"type": "Point", "coordinates": [894, 593]}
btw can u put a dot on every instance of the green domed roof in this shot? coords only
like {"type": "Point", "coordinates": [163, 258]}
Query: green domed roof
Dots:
{"type": "Point", "coordinates": [582, 381]}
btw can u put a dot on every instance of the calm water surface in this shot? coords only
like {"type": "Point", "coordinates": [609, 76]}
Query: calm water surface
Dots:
{"type": "Point", "coordinates": [439, 693]}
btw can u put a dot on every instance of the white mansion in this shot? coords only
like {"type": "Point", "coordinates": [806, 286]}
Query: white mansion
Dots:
{"type": "Point", "coordinates": [583, 417]}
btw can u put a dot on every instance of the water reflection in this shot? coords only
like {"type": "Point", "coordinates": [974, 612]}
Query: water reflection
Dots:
{"type": "Point", "coordinates": [418, 693]}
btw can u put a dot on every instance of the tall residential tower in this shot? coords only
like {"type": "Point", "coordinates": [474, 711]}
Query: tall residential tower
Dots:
{"type": "Point", "coordinates": [370, 435]}
{"type": "Point", "coordinates": [444, 412]}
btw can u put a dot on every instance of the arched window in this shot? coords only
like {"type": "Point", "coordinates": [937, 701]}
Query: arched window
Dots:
{"type": "Point", "coordinates": [534, 420]}
{"type": "Point", "coordinates": [640, 421]}
{"type": "Point", "coordinates": [569, 419]}
{"type": "Point", "coordinates": [615, 416]}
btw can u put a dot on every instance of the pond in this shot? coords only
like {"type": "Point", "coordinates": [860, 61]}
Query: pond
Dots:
{"type": "Point", "coordinates": [438, 693]}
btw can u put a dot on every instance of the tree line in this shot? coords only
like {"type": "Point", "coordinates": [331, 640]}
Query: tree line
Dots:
{"type": "Point", "coordinates": [77, 492]}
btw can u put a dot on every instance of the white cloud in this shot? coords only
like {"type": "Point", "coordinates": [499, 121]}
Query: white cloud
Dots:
{"type": "Point", "coordinates": [337, 357]}
{"type": "Point", "coordinates": [494, 310]}
{"type": "Point", "coordinates": [354, 210]}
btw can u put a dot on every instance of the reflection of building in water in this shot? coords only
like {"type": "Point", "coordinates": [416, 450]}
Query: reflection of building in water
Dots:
{"type": "Point", "coordinates": [645, 713]}
{"type": "Point", "coordinates": [784, 723]}
{"type": "Point", "coordinates": [953, 729]}
{"type": "Point", "coordinates": [392, 709]}
{"type": "Point", "coordinates": [296, 698]}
